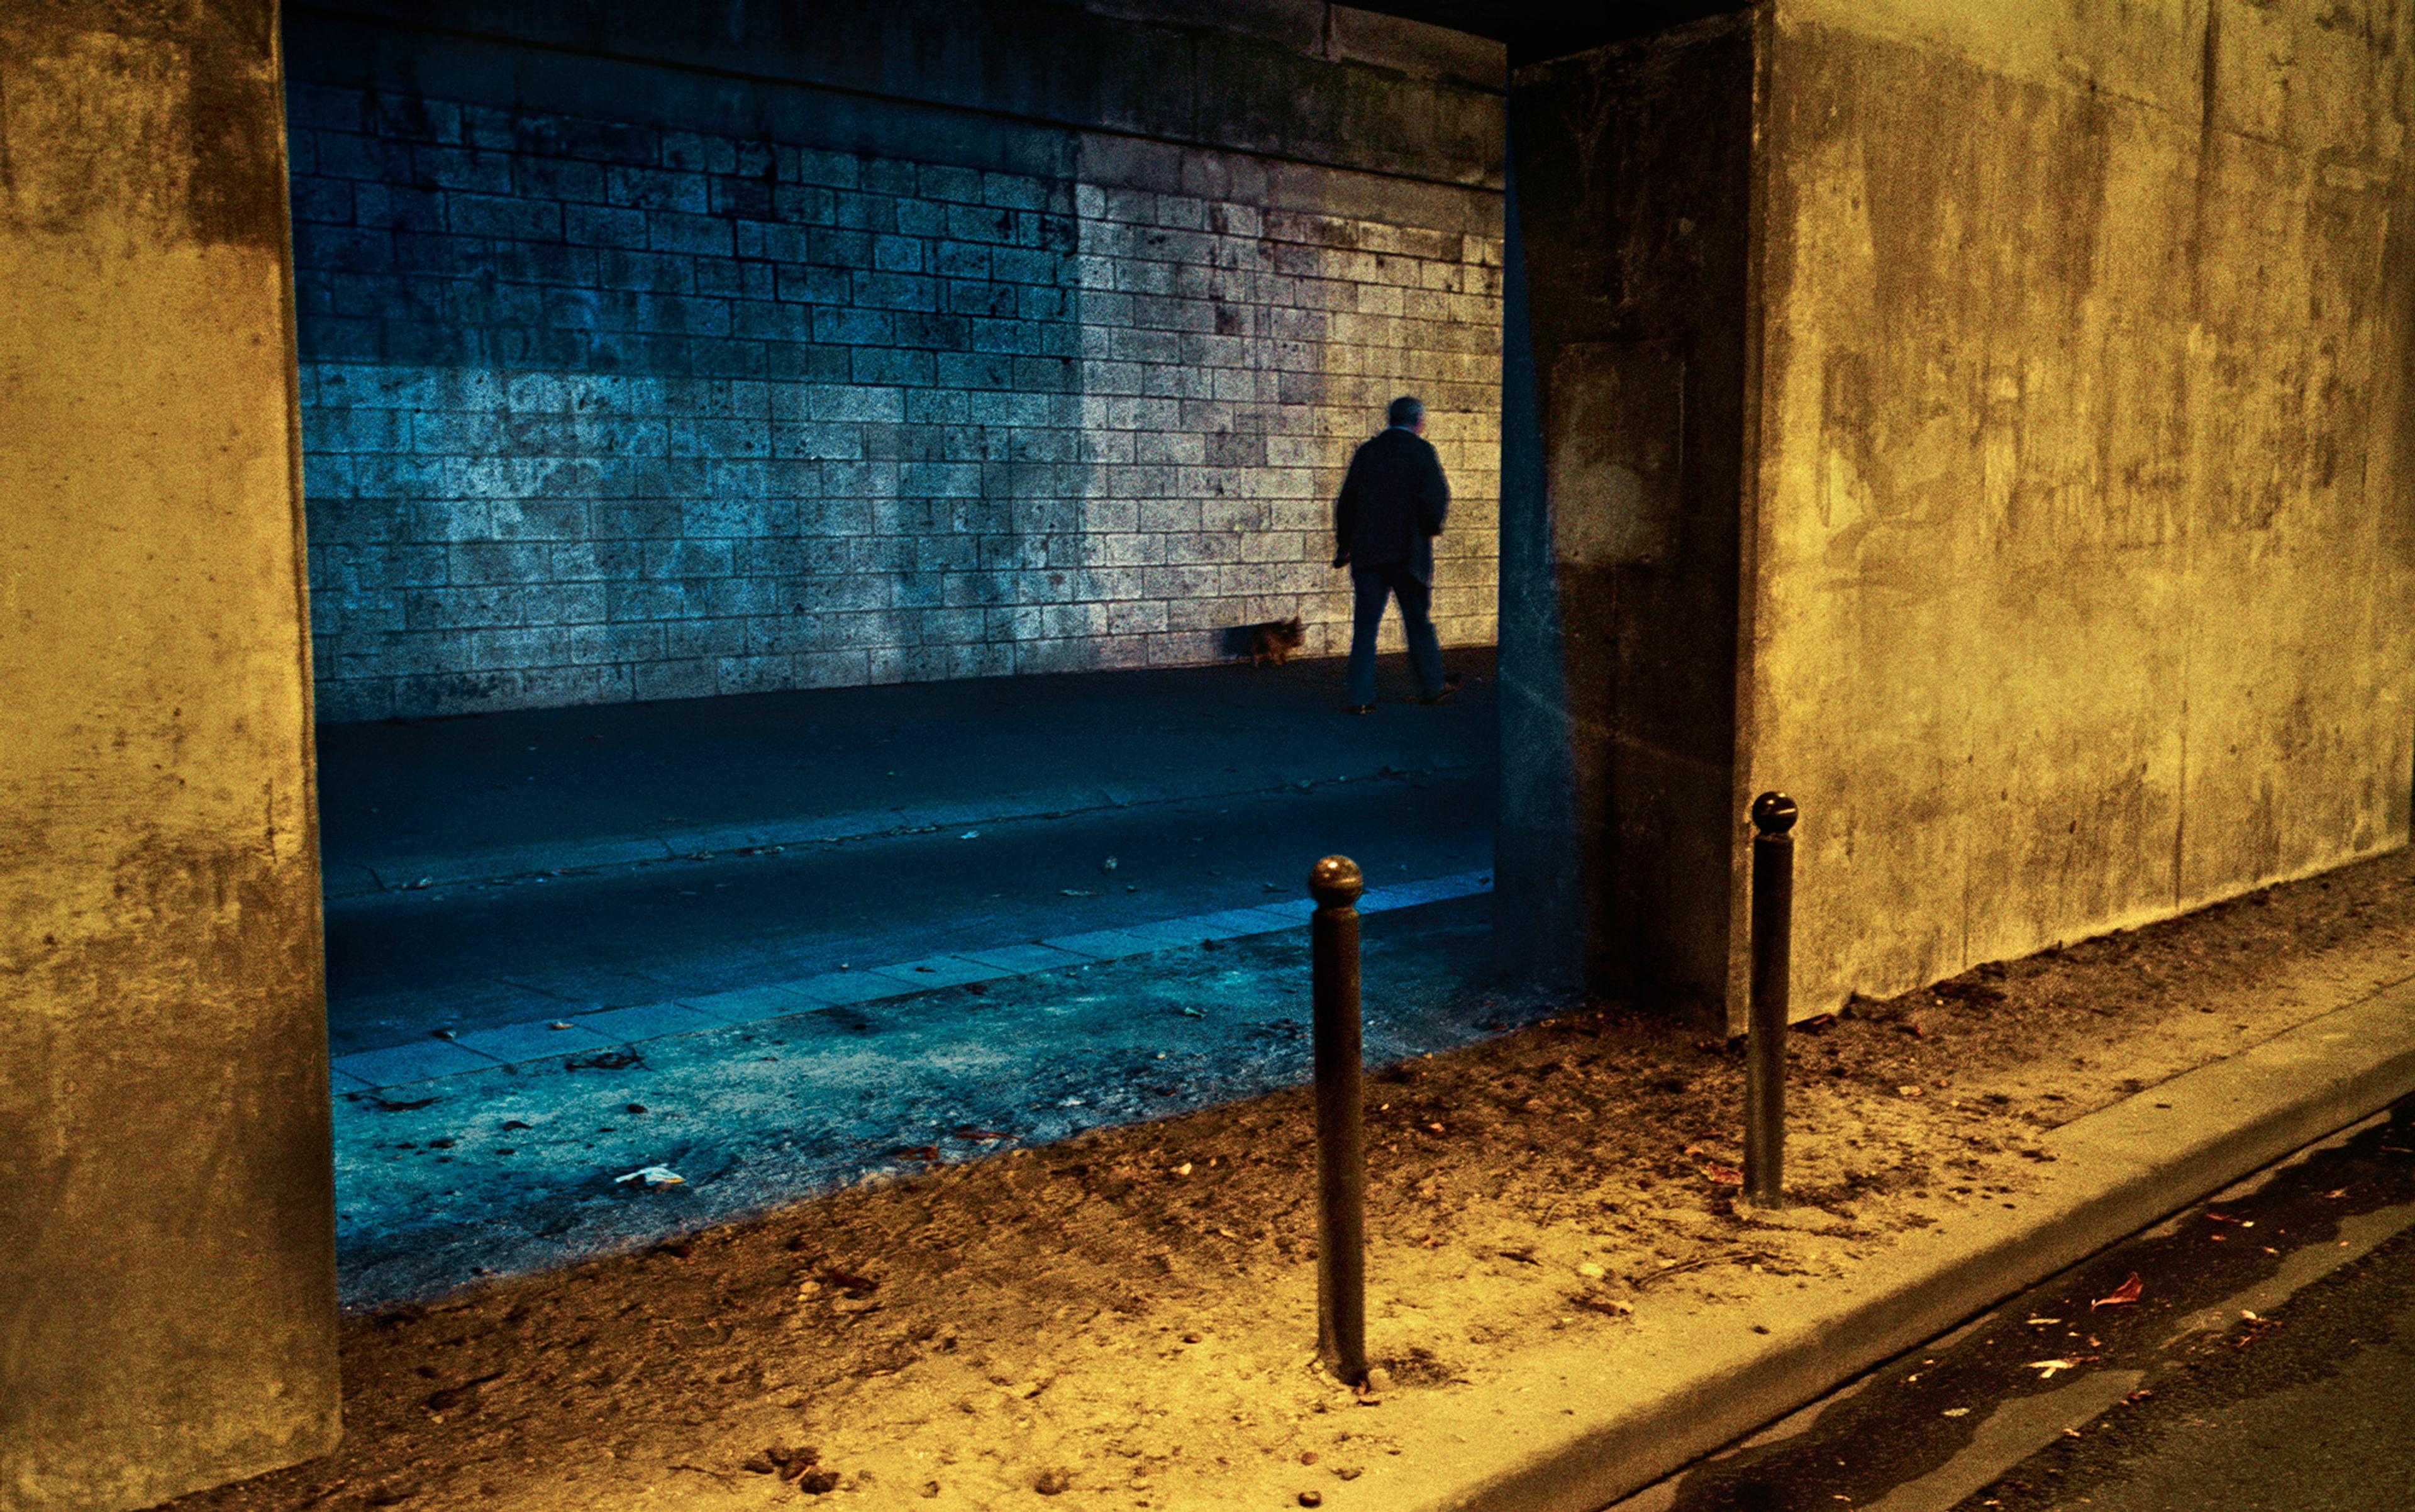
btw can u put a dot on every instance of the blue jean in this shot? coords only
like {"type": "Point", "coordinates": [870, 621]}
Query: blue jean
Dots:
{"type": "Point", "coordinates": [1372, 586]}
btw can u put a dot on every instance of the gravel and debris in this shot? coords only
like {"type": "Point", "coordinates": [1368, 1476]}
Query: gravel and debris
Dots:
{"type": "Point", "coordinates": [1127, 1318]}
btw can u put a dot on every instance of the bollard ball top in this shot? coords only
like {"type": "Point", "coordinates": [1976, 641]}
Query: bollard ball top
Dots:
{"type": "Point", "coordinates": [1773, 813]}
{"type": "Point", "coordinates": [1335, 882]}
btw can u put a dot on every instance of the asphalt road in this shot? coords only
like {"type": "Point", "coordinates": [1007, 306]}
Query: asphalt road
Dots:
{"type": "Point", "coordinates": [401, 964]}
{"type": "Point", "coordinates": [2268, 1362]}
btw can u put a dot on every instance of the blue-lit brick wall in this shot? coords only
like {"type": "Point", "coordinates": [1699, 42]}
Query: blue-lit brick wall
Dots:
{"type": "Point", "coordinates": [596, 411]}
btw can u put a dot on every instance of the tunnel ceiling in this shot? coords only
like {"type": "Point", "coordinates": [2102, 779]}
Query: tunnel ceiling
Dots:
{"type": "Point", "coordinates": [1537, 29]}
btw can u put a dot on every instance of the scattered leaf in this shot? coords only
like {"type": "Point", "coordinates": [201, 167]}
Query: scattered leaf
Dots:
{"type": "Point", "coordinates": [2120, 1296]}
{"type": "Point", "coordinates": [2047, 1369]}
{"type": "Point", "coordinates": [653, 1176]}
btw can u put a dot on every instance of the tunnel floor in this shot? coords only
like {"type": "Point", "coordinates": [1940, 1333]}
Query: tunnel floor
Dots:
{"type": "Point", "coordinates": [874, 927]}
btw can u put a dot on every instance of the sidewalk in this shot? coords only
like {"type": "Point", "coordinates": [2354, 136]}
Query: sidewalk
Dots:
{"type": "Point", "coordinates": [497, 1154]}
{"type": "Point", "coordinates": [411, 802]}
{"type": "Point", "coordinates": [1565, 1295]}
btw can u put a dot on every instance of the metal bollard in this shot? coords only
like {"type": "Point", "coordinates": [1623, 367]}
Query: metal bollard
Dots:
{"type": "Point", "coordinates": [1773, 926]}
{"type": "Point", "coordinates": [1341, 1140]}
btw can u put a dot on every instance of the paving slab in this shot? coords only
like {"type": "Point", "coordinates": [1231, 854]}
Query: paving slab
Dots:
{"type": "Point", "coordinates": [1234, 923]}
{"type": "Point", "coordinates": [647, 1021]}
{"type": "Point", "coordinates": [936, 971]}
{"type": "Point", "coordinates": [1024, 959]}
{"type": "Point", "coordinates": [513, 1044]}
{"type": "Point", "coordinates": [1106, 943]}
{"type": "Point", "coordinates": [748, 1004]}
{"type": "Point", "coordinates": [836, 988]}
{"type": "Point", "coordinates": [1173, 933]}
{"type": "Point", "coordinates": [420, 1061]}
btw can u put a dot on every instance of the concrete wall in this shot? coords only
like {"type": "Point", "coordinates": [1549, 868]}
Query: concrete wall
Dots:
{"type": "Point", "coordinates": [167, 1278]}
{"type": "Point", "coordinates": [674, 353]}
{"type": "Point", "coordinates": [2079, 576]}
{"type": "Point", "coordinates": [1629, 319]}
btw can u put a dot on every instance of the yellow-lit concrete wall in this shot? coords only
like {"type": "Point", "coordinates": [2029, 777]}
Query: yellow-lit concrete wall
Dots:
{"type": "Point", "coordinates": [2077, 554]}
{"type": "Point", "coordinates": [167, 1286]}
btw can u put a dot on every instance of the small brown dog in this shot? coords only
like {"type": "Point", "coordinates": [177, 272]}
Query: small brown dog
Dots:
{"type": "Point", "coordinates": [1277, 641]}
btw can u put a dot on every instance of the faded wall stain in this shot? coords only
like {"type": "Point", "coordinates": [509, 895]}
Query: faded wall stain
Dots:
{"type": "Point", "coordinates": [2083, 584]}
{"type": "Point", "coordinates": [159, 118]}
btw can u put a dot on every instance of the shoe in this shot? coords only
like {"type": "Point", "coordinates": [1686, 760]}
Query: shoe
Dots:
{"type": "Point", "coordinates": [1450, 691]}
{"type": "Point", "coordinates": [1358, 708]}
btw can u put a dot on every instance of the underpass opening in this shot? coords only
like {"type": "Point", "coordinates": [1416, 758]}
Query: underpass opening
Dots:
{"type": "Point", "coordinates": [777, 531]}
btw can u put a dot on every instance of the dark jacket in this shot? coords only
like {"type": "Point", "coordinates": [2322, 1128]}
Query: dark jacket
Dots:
{"type": "Point", "coordinates": [1392, 504]}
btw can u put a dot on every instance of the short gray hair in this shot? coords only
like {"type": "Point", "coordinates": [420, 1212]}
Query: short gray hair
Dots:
{"type": "Point", "coordinates": [1406, 411]}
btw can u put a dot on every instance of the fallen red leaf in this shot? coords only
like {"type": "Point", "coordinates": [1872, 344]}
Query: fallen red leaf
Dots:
{"type": "Point", "coordinates": [2122, 1295]}
{"type": "Point", "coordinates": [1726, 1175]}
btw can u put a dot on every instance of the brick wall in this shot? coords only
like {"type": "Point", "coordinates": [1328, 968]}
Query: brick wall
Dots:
{"type": "Point", "coordinates": [599, 410]}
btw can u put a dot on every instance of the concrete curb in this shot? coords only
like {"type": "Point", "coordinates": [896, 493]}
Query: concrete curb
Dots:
{"type": "Point", "coordinates": [1560, 1438]}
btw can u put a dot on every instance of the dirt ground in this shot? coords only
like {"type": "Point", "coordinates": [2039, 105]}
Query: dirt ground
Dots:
{"type": "Point", "coordinates": [1127, 1319]}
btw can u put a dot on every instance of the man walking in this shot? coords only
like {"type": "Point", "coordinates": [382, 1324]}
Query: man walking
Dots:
{"type": "Point", "coordinates": [1391, 507]}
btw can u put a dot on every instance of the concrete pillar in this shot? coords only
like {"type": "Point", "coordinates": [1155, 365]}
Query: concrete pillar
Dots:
{"type": "Point", "coordinates": [167, 1277]}
{"type": "Point", "coordinates": [2084, 567]}
{"type": "Point", "coordinates": [1626, 357]}
{"type": "Point", "coordinates": [1992, 424]}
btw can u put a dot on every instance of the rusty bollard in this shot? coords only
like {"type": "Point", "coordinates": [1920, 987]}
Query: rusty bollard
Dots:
{"type": "Point", "coordinates": [1341, 1138]}
{"type": "Point", "coordinates": [1773, 926]}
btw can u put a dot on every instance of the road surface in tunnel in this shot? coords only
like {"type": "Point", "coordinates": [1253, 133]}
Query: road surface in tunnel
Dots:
{"type": "Point", "coordinates": [533, 865]}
